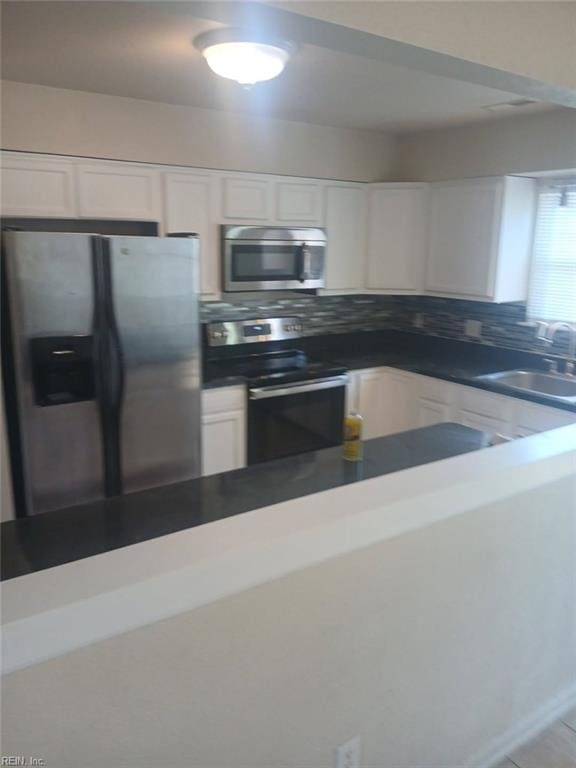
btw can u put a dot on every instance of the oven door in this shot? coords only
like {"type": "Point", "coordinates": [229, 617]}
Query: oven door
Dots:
{"type": "Point", "coordinates": [263, 265]}
{"type": "Point", "coordinates": [294, 418]}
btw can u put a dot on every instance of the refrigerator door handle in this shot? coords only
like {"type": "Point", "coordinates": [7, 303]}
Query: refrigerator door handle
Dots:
{"type": "Point", "coordinates": [109, 367]}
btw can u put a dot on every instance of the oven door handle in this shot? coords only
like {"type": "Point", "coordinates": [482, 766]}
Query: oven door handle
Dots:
{"type": "Point", "coordinates": [282, 390]}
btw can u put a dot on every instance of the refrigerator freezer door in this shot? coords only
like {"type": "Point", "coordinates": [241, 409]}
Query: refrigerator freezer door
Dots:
{"type": "Point", "coordinates": [154, 297]}
{"type": "Point", "coordinates": [50, 285]}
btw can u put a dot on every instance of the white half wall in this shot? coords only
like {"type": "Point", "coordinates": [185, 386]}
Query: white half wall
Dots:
{"type": "Point", "coordinates": [37, 118]}
{"type": "Point", "coordinates": [520, 144]}
{"type": "Point", "coordinates": [441, 648]}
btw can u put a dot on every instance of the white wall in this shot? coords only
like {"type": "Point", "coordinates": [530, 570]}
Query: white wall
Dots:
{"type": "Point", "coordinates": [434, 646]}
{"type": "Point", "coordinates": [535, 39]}
{"type": "Point", "coordinates": [539, 142]}
{"type": "Point", "coordinates": [40, 119]}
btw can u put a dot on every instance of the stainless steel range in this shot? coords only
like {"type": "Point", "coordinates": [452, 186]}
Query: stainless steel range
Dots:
{"type": "Point", "coordinates": [294, 404]}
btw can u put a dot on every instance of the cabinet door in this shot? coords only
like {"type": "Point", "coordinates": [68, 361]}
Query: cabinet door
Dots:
{"type": "Point", "coordinates": [396, 237]}
{"type": "Point", "coordinates": [118, 191]}
{"type": "Point", "coordinates": [371, 399]}
{"type": "Point", "coordinates": [464, 233]}
{"type": "Point", "coordinates": [188, 206]}
{"type": "Point", "coordinates": [399, 402]}
{"type": "Point", "coordinates": [483, 423]}
{"type": "Point", "coordinates": [246, 199]}
{"type": "Point", "coordinates": [429, 412]}
{"type": "Point", "coordinates": [37, 187]}
{"type": "Point", "coordinates": [530, 418]}
{"type": "Point", "coordinates": [223, 442]}
{"type": "Point", "coordinates": [345, 207]}
{"type": "Point", "coordinates": [298, 202]}
{"type": "Point", "coordinates": [352, 388]}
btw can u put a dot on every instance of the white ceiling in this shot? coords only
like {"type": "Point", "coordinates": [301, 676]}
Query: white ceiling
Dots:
{"type": "Point", "coordinates": [144, 50]}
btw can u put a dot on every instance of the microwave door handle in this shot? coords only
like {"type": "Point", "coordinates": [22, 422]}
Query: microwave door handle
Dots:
{"type": "Point", "coordinates": [302, 262]}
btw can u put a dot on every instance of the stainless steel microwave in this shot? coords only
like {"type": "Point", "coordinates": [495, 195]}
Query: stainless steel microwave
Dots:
{"type": "Point", "coordinates": [272, 258]}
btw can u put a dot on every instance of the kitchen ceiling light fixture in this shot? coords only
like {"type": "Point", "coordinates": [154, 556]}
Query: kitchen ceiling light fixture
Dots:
{"type": "Point", "coordinates": [244, 56]}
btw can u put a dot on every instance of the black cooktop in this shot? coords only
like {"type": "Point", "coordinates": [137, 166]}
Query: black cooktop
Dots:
{"type": "Point", "coordinates": [277, 367]}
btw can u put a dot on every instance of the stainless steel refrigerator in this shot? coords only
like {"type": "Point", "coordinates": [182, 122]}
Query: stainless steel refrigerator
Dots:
{"type": "Point", "coordinates": [102, 356]}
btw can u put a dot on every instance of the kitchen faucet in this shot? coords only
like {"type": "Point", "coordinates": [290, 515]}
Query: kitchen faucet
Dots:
{"type": "Point", "coordinates": [547, 331]}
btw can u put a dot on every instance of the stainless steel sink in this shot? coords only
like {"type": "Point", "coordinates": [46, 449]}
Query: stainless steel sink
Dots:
{"type": "Point", "coordinates": [552, 385]}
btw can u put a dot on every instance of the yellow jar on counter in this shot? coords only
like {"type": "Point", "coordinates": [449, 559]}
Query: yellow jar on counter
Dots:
{"type": "Point", "coordinates": [353, 437]}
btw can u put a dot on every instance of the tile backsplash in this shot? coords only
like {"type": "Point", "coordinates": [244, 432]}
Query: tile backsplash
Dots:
{"type": "Point", "coordinates": [478, 322]}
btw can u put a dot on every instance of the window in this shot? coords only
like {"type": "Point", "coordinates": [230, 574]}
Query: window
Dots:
{"type": "Point", "coordinates": [552, 294]}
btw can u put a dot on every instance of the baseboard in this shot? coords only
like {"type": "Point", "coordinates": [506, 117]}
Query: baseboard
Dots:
{"type": "Point", "coordinates": [527, 729]}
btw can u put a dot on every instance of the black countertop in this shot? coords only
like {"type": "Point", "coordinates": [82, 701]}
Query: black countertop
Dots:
{"type": "Point", "coordinates": [451, 360]}
{"type": "Point", "coordinates": [53, 538]}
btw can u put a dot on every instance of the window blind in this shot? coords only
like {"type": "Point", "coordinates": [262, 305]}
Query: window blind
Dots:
{"type": "Point", "coordinates": [552, 293]}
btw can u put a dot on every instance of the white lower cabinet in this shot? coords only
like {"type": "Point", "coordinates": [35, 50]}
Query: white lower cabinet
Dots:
{"type": "Point", "coordinates": [394, 401]}
{"type": "Point", "coordinates": [530, 418]}
{"type": "Point", "coordinates": [223, 429]}
{"type": "Point", "coordinates": [371, 401]}
{"type": "Point", "coordinates": [384, 399]}
{"type": "Point", "coordinates": [400, 394]}
{"type": "Point", "coordinates": [433, 401]}
{"type": "Point", "coordinates": [429, 412]}
{"type": "Point", "coordinates": [483, 410]}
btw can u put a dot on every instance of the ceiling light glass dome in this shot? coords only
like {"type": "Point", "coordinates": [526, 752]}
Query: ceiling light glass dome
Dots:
{"type": "Point", "coordinates": [243, 57]}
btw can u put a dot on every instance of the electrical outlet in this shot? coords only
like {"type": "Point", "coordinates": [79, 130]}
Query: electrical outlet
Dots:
{"type": "Point", "coordinates": [348, 754]}
{"type": "Point", "coordinates": [473, 328]}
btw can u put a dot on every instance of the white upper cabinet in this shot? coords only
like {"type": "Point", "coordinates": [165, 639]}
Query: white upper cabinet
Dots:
{"type": "Point", "coordinates": [118, 191]}
{"type": "Point", "coordinates": [345, 215]}
{"type": "Point", "coordinates": [396, 237]}
{"type": "Point", "coordinates": [37, 186]}
{"type": "Point", "coordinates": [298, 202]}
{"type": "Point", "coordinates": [247, 198]}
{"type": "Point", "coordinates": [480, 238]}
{"type": "Point", "coordinates": [189, 207]}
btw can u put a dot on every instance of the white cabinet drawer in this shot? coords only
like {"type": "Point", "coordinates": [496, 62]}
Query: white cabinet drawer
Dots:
{"type": "Point", "coordinates": [223, 399]}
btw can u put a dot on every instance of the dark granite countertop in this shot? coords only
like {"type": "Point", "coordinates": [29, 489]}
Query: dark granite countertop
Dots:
{"type": "Point", "coordinates": [54, 538]}
{"type": "Point", "coordinates": [455, 361]}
